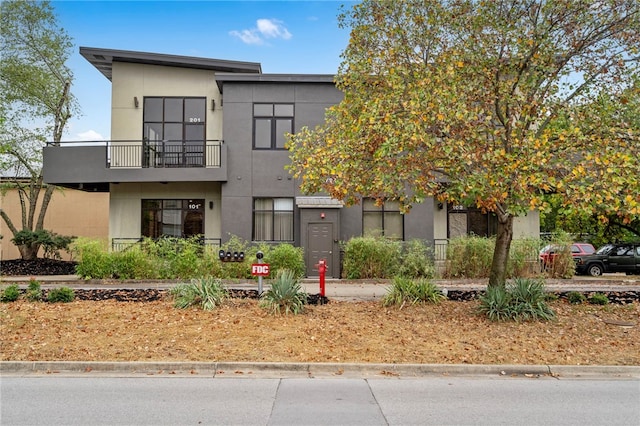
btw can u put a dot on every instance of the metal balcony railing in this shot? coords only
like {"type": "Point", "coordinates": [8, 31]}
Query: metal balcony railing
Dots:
{"type": "Point", "coordinates": [161, 154]}
{"type": "Point", "coordinates": [157, 154]}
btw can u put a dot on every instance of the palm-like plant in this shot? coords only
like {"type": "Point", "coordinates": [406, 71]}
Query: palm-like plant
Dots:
{"type": "Point", "coordinates": [285, 295]}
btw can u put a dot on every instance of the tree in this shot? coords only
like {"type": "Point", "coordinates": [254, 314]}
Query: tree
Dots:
{"type": "Point", "coordinates": [37, 104]}
{"type": "Point", "coordinates": [479, 103]}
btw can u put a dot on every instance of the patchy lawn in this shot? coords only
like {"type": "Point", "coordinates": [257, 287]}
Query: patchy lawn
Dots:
{"type": "Point", "coordinates": [448, 333]}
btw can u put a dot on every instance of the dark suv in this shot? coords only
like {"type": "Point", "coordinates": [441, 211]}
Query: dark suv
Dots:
{"type": "Point", "coordinates": [622, 257]}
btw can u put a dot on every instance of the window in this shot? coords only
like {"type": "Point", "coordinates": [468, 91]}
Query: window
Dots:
{"type": "Point", "coordinates": [174, 131]}
{"type": "Point", "coordinates": [273, 219]}
{"type": "Point", "coordinates": [173, 218]}
{"type": "Point", "coordinates": [470, 221]}
{"type": "Point", "coordinates": [383, 220]}
{"type": "Point", "coordinates": [270, 124]}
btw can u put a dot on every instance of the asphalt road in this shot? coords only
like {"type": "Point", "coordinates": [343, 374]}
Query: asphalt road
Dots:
{"type": "Point", "coordinates": [478, 400]}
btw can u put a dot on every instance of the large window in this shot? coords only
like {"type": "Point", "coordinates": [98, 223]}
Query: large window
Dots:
{"type": "Point", "coordinates": [270, 124]}
{"type": "Point", "coordinates": [172, 218]}
{"type": "Point", "coordinates": [174, 131]}
{"type": "Point", "coordinates": [273, 219]}
{"type": "Point", "coordinates": [385, 219]}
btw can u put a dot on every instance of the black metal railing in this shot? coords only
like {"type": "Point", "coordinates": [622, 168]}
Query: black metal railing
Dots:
{"type": "Point", "coordinates": [161, 154]}
{"type": "Point", "coordinates": [157, 154]}
{"type": "Point", "coordinates": [123, 244]}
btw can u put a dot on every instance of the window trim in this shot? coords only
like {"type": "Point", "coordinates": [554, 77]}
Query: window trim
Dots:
{"type": "Point", "coordinates": [273, 119]}
{"type": "Point", "coordinates": [382, 211]}
{"type": "Point", "coordinates": [272, 212]}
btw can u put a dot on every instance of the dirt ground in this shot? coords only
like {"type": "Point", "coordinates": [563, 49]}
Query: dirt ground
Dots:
{"type": "Point", "coordinates": [448, 333]}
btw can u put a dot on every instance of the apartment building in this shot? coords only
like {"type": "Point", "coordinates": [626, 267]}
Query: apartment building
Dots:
{"type": "Point", "coordinates": [197, 148]}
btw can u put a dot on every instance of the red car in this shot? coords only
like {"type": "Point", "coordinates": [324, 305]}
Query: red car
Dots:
{"type": "Point", "coordinates": [549, 252]}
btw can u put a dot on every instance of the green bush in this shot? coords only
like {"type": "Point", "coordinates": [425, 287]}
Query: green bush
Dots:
{"type": "Point", "coordinates": [524, 257]}
{"type": "Point", "coordinates": [469, 257]}
{"type": "Point", "coordinates": [94, 259]}
{"type": "Point", "coordinates": [599, 299]}
{"type": "Point", "coordinates": [240, 270]}
{"type": "Point", "coordinates": [417, 260]}
{"type": "Point", "coordinates": [285, 295]}
{"type": "Point", "coordinates": [563, 265]}
{"type": "Point", "coordinates": [406, 290]}
{"type": "Point", "coordinates": [50, 242]}
{"type": "Point", "coordinates": [34, 291]}
{"type": "Point", "coordinates": [61, 295]}
{"type": "Point", "coordinates": [521, 300]}
{"type": "Point", "coordinates": [286, 256]}
{"type": "Point", "coordinates": [371, 257]}
{"type": "Point", "coordinates": [576, 298]}
{"type": "Point", "coordinates": [10, 293]}
{"type": "Point", "coordinates": [207, 293]}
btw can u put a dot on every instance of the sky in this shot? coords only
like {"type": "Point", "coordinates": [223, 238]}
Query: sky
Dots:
{"type": "Point", "coordinates": [293, 37]}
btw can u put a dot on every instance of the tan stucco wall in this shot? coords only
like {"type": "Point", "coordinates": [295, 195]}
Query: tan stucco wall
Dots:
{"type": "Point", "coordinates": [125, 205]}
{"type": "Point", "coordinates": [137, 80]}
{"type": "Point", "coordinates": [70, 212]}
{"type": "Point", "coordinates": [523, 227]}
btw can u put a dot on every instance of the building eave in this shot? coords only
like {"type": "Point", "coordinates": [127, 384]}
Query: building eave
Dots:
{"type": "Point", "coordinates": [103, 59]}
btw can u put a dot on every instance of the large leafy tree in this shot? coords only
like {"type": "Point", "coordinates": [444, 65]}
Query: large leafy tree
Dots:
{"type": "Point", "coordinates": [483, 103]}
{"type": "Point", "coordinates": [36, 105]}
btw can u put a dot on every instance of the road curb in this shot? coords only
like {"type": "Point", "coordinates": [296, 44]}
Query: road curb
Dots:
{"type": "Point", "coordinates": [267, 369]}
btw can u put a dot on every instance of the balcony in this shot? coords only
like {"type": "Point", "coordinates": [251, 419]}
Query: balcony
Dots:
{"type": "Point", "coordinates": [94, 165]}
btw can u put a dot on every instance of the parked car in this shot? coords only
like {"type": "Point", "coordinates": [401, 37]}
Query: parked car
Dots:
{"type": "Point", "coordinates": [578, 250]}
{"type": "Point", "coordinates": [622, 257]}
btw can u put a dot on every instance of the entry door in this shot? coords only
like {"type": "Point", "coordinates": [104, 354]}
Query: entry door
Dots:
{"type": "Point", "coordinates": [320, 238]}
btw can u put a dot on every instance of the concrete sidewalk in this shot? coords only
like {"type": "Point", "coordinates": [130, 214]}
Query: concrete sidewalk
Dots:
{"type": "Point", "coordinates": [372, 289]}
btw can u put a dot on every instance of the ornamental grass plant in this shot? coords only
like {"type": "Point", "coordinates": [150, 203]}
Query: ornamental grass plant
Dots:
{"type": "Point", "coordinates": [285, 295]}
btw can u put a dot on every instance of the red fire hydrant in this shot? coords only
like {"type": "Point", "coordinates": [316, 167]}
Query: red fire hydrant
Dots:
{"type": "Point", "coordinates": [322, 269]}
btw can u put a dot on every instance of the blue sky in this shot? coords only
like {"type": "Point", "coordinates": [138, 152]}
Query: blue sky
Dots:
{"type": "Point", "coordinates": [284, 36]}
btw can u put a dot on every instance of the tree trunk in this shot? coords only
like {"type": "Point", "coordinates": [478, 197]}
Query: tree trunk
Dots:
{"type": "Point", "coordinates": [498, 274]}
{"type": "Point", "coordinates": [29, 251]}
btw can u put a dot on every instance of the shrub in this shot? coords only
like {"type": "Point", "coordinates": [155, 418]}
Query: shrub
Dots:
{"type": "Point", "coordinates": [207, 293]}
{"type": "Point", "coordinates": [576, 298]}
{"type": "Point", "coordinates": [530, 299]}
{"type": "Point", "coordinates": [523, 299]}
{"type": "Point", "coordinates": [469, 257]}
{"type": "Point", "coordinates": [34, 291]}
{"type": "Point", "coordinates": [50, 242]}
{"type": "Point", "coordinates": [417, 260]}
{"type": "Point", "coordinates": [94, 259]}
{"type": "Point", "coordinates": [10, 293]}
{"type": "Point", "coordinates": [523, 257]}
{"type": "Point", "coordinates": [285, 295]}
{"type": "Point", "coordinates": [62, 295]}
{"type": "Point", "coordinates": [563, 265]}
{"type": "Point", "coordinates": [239, 270]}
{"type": "Point", "coordinates": [405, 290]}
{"type": "Point", "coordinates": [371, 257]}
{"type": "Point", "coordinates": [599, 299]}
{"type": "Point", "coordinates": [286, 256]}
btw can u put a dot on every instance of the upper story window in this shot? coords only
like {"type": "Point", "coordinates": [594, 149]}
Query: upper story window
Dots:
{"type": "Point", "coordinates": [385, 219]}
{"type": "Point", "coordinates": [270, 124]}
{"type": "Point", "coordinates": [273, 219]}
{"type": "Point", "coordinates": [174, 131]}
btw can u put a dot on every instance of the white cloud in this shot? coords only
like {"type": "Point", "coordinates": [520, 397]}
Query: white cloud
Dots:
{"type": "Point", "coordinates": [272, 28]}
{"type": "Point", "coordinates": [265, 28]}
{"type": "Point", "coordinates": [247, 36]}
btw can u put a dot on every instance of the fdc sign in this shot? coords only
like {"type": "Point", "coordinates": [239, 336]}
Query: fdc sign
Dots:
{"type": "Point", "coordinates": [260, 269]}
